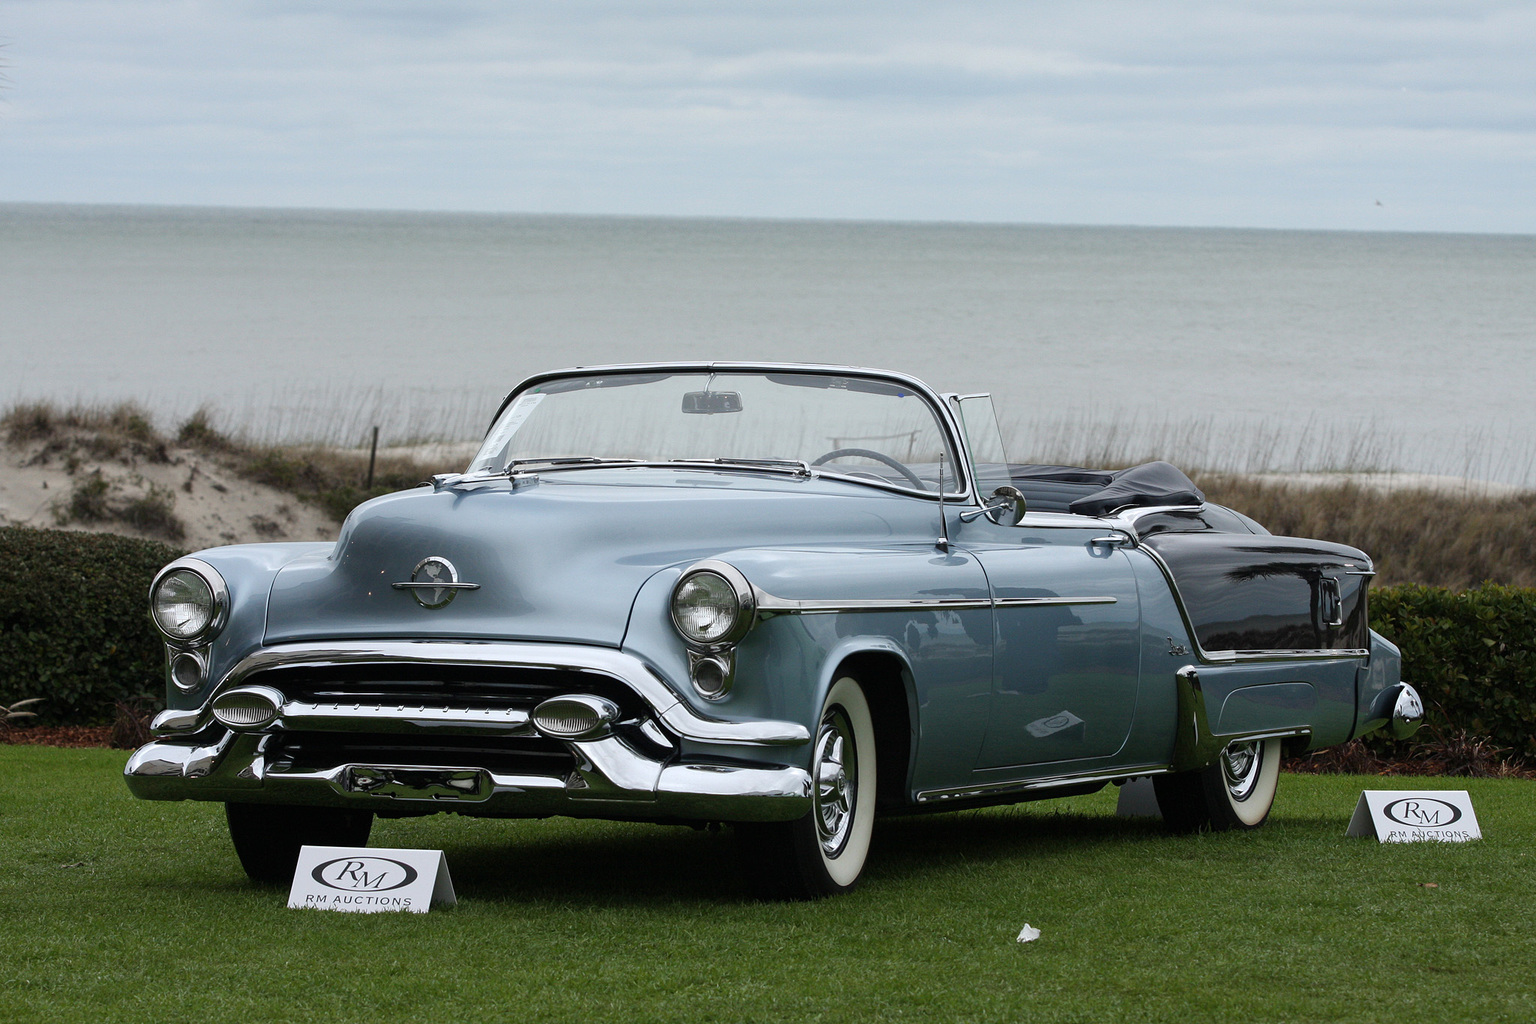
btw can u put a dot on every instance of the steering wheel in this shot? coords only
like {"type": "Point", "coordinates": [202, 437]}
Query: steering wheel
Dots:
{"type": "Point", "coordinates": [865, 453]}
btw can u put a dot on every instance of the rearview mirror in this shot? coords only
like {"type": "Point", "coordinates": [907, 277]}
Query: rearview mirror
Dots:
{"type": "Point", "coordinates": [707, 403]}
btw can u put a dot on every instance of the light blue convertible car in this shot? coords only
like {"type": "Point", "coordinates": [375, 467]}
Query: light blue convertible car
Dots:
{"type": "Point", "coordinates": [788, 598]}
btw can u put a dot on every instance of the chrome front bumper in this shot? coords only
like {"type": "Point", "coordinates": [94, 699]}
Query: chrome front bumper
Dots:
{"type": "Point", "coordinates": [200, 757]}
{"type": "Point", "coordinates": [611, 780]}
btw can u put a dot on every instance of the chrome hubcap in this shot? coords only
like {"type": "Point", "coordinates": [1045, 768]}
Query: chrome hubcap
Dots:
{"type": "Point", "coordinates": [1240, 764]}
{"type": "Point", "coordinates": [836, 770]}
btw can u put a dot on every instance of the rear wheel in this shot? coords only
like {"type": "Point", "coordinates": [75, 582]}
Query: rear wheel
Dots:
{"type": "Point", "coordinates": [1236, 792]}
{"type": "Point", "coordinates": [267, 837]}
{"type": "Point", "coordinates": [823, 853]}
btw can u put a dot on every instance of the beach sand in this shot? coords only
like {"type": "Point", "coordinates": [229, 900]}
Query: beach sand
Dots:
{"type": "Point", "coordinates": [214, 505]}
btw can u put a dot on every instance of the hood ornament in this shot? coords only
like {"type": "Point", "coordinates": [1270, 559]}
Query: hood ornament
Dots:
{"type": "Point", "coordinates": [434, 582]}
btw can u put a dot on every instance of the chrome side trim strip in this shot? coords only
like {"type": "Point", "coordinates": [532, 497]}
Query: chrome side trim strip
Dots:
{"type": "Point", "coordinates": [625, 668]}
{"type": "Point", "coordinates": [1221, 657]}
{"type": "Point", "coordinates": [767, 603]}
{"type": "Point", "coordinates": [1004, 788]}
{"type": "Point", "coordinates": [1049, 602]}
{"type": "Point", "coordinates": [788, 606]}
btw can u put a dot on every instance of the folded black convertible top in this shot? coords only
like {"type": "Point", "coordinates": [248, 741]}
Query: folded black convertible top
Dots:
{"type": "Point", "coordinates": [1097, 492]}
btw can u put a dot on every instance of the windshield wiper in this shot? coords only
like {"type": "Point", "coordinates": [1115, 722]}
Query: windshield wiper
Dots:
{"type": "Point", "coordinates": [570, 460]}
{"type": "Point", "coordinates": [799, 467]}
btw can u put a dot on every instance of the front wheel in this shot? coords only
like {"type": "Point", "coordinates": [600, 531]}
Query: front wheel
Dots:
{"type": "Point", "coordinates": [1236, 792]}
{"type": "Point", "coordinates": [823, 853]}
{"type": "Point", "coordinates": [268, 837]}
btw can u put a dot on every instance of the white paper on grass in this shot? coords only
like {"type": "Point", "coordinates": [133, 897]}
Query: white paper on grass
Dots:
{"type": "Point", "coordinates": [1029, 934]}
{"type": "Point", "coordinates": [1138, 799]}
{"type": "Point", "coordinates": [367, 881]}
{"type": "Point", "coordinates": [1415, 816]}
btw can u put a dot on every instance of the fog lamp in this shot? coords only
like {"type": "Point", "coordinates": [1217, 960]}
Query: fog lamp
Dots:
{"type": "Point", "coordinates": [577, 716]}
{"type": "Point", "coordinates": [187, 671]}
{"type": "Point", "coordinates": [249, 707]}
{"type": "Point", "coordinates": [711, 674]}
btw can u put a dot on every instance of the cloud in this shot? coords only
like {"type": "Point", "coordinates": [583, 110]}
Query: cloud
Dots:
{"type": "Point", "coordinates": [990, 111]}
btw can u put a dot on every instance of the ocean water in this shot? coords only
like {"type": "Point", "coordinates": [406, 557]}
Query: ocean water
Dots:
{"type": "Point", "coordinates": [1219, 348]}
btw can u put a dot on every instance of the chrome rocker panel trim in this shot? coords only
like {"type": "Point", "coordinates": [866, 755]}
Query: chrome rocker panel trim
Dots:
{"type": "Point", "coordinates": [667, 706]}
{"type": "Point", "coordinates": [1011, 787]}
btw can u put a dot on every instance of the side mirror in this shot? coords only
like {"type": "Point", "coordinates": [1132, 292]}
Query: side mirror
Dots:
{"type": "Point", "coordinates": [1007, 506]}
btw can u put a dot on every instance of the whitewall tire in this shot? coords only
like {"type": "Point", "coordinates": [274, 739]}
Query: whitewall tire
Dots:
{"type": "Point", "coordinates": [823, 853]}
{"type": "Point", "coordinates": [1237, 792]}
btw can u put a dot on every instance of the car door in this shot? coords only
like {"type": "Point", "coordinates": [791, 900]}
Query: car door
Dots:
{"type": "Point", "coordinates": [1067, 654]}
{"type": "Point", "coordinates": [1066, 618]}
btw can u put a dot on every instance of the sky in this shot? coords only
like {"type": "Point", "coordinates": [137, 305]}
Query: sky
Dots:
{"type": "Point", "coordinates": [1358, 114]}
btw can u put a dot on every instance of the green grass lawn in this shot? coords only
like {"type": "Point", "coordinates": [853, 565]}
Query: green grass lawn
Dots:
{"type": "Point", "coordinates": [114, 909]}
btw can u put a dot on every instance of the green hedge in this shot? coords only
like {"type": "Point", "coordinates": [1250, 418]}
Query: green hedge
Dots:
{"type": "Point", "coordinates": [74, 628]}
{"type": "Point", "coordinates": [74, 622]}
{"type": "Point", "coordinates": [1471, 654]}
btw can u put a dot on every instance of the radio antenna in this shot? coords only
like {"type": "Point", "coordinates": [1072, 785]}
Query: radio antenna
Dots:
{"type": "Point", "coordinates": [943, 542]}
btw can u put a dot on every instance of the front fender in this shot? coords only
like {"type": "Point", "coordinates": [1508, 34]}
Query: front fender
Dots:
{"type": "Point", "coordinates": [248, 571]}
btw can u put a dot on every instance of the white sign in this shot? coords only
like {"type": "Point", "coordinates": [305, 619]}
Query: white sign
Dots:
{"type": "Point", "coordinates": [1427, 816]}
{"type": "Point", "coordinates": [1138, 799]}
{"type": "Point", "coordinates": [367, 881]}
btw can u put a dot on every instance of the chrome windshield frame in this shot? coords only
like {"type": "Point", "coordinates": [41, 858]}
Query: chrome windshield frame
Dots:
{"type": "Point", "coordinates": [954, 435]}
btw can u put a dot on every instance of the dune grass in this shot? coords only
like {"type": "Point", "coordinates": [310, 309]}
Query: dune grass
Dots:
{"type": "Point", "coordinates": [77, 437]}
{"type": "Point", "coordinates": [116, 909]}
{"type": "Point", "coordinates": [1443, 540]}
{"type": "Point", "coordinates": [1438, 539]}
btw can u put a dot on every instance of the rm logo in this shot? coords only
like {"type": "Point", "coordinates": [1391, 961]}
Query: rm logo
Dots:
{"type": "Point", "coordinates": [1422, 812]}
{"type": "Point", "coordinates": [364, 874]}
{"type": "Point", "coordinates": [1393, 816]}
{"type": "Point", "coordinates": [368, 881]}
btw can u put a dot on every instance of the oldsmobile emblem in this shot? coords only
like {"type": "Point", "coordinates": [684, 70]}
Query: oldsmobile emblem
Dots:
{"type": "Point", "coordinates": [434, 582]}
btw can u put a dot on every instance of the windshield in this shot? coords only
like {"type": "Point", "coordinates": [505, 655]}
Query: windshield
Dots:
{"type": "Point", "coordinates": [876, 430]}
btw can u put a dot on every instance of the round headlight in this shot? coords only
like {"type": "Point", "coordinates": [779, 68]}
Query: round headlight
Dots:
{"type": "Point", "coordinates": [183, 605]}
{"type": "Point", "coordinates": [712, 605]}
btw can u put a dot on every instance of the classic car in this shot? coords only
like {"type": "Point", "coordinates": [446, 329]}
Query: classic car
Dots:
{"type": "Point", "coordinates": [787, 598]}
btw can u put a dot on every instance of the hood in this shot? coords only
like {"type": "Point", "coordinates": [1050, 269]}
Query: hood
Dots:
{"type": "Point", "coordinates": [560, 558]}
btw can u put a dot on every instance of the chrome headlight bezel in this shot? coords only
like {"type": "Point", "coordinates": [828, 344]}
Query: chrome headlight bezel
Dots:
{"type": "Point", "coordinates": [218, 596]}
{"type": "Point", "coordinates": [739, 616]}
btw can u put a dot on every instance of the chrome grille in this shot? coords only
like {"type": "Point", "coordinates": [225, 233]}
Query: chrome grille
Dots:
{"type": "Point", "coordinates": [441, 686]}
{"type": "Point", "coordinates": [322, 751]}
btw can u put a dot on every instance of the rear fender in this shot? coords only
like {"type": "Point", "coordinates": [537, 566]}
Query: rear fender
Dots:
{"type": "Point", "coordinates": [1376, 685]}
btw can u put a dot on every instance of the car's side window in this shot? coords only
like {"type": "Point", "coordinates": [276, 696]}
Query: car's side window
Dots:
{"type": "Point", "coordinates": [984, 439]}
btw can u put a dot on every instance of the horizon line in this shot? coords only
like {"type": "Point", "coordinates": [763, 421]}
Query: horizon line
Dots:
{"type": "Point", "coordinates": [739, 218]}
